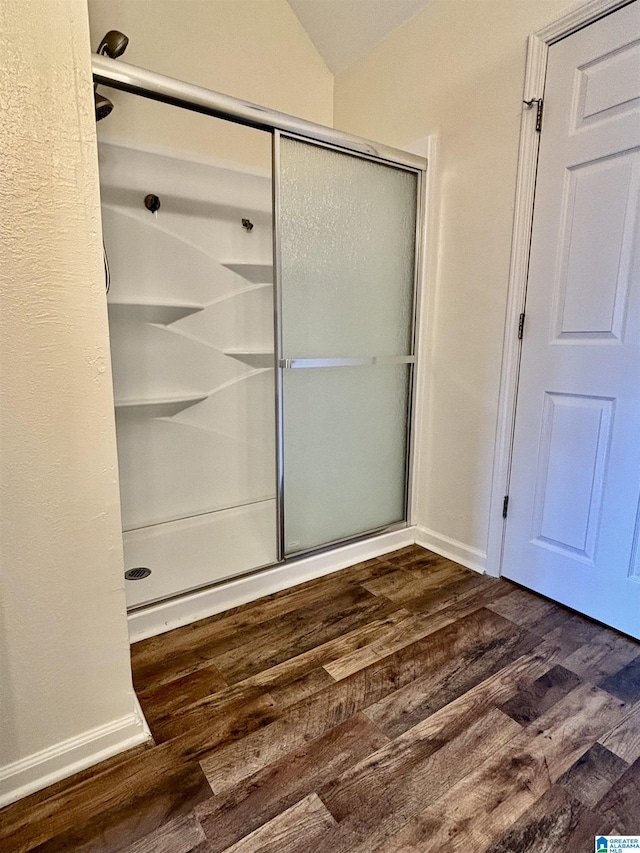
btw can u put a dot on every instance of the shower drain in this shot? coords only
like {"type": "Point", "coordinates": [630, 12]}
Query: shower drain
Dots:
{"type": "Point", "coordinates": [137, 574]}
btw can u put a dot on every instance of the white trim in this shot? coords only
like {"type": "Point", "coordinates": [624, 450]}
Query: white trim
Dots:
{"type": "Point", "coordinates": [37, 771]}
{"type": "Point", "coordinates": [425, 310]}
{"type": "Point", "coordinates": [580, 16]}
{"type": "Point", "coordinates": [539, 43]}
{"type": "Point", "coordinates": [143, 719]}
{"type": "Point", "coordinates": [166, 615]}
{"type": "Point", "coordinates": [471, 558]}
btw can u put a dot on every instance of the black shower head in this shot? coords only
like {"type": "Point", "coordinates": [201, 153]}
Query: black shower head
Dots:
{"type": "Point", "coordinates": [113, 44]}
{"type": "Point", "coordinates": [103, 106]}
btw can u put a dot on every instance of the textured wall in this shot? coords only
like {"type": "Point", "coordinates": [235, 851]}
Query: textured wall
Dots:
{"type": "Point", "coordinates": [252, 49]}
{"type": "Point", "coordinates": [456, 71]}
{"type": "Point", "coordinates": [64, 663]}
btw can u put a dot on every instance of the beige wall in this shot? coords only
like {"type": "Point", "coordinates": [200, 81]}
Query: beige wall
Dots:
{"type": "Point", "coordinates": [456, 71]}
{"type": "Point", "coordinates": [64, 664]}
{"type": "Point", "coordinates": [65, 681]}
{"type": "Point", "coordinates": [256, 50]}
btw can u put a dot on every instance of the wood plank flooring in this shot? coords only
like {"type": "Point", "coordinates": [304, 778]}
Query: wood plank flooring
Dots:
{"type": "Point", "coordinates": [404, 704]}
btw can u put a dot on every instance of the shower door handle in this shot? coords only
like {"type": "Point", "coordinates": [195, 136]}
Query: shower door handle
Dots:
{"type": "Point", "coordinates": [303, 363]}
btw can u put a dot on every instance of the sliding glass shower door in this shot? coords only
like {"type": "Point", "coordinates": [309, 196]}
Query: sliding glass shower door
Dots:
{"type": "Point", "coordinates": [201, 262]}
{"type": "Point", "coordinates": [346, 229]}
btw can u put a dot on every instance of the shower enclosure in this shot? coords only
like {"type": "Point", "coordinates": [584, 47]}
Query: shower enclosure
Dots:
{"type": "Point", "coordinates": [263, 336]}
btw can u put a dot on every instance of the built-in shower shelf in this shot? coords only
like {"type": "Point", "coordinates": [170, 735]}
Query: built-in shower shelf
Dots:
{"type": "Point", "coordinates": [159, 407]}
{"type": "Point", "coordinates": [254, 358]}
{"type": "Point", "coordinates": [255, 273]}
{"type": "Point", "coordinates": [161, 313]}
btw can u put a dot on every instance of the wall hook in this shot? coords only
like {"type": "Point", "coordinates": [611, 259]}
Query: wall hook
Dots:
{"type": "Point", "coordinates": [248, 224]}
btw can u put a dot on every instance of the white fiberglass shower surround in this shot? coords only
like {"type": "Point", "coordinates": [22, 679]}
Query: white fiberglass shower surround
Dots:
{"type": "Point", "coordinates": [263, 329]}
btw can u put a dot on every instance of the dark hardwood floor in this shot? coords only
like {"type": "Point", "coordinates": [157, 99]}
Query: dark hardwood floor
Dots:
{"type": "Point", "coordinates": [404, 704]}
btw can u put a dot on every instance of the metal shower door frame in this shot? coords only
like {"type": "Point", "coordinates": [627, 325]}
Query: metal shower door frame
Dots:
{"type": "Point", "coordinates": [282, 363]}
{"type": "Point", "coordinates": [168, 90]}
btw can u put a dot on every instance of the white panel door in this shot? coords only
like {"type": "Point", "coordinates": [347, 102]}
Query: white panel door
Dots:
{"type": "Point", "coordinates": [573, 526]}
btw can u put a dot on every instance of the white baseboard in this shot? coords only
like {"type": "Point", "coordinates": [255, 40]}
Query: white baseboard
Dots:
{"type": "Point", "coordinates": [469, 557]}
{"type": "Point", "coordinates": [166, 615]}
{"type": "Point", "coordinates": [37, 771]}
{"type": "Point", "coordinates": [143, 720]}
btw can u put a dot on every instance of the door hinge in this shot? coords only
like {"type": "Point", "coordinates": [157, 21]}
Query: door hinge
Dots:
{"type": "Point", "coordinates": [539, 104]}
{"type": "Point", "coordinates": [521, 327]}
{"type": "Point", "coordinates": [505, 506]}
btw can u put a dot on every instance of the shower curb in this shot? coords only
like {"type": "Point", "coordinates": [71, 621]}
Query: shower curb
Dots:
{"type": "Point", "coordinates": [164, 616]}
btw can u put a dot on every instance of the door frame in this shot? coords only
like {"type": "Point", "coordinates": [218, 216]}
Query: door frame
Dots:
{"type": "Point", "coordinates": [534, 84]}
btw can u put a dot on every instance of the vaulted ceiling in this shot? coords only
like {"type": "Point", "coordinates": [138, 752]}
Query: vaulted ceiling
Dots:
{"type": "Point", "coordinates": [344, 31]}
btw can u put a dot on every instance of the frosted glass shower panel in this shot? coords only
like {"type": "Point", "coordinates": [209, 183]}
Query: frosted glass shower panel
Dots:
{"type": "Point", "coordinates": [345, 447]}
{"type": "Point", "coordinates": [347, 239]}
